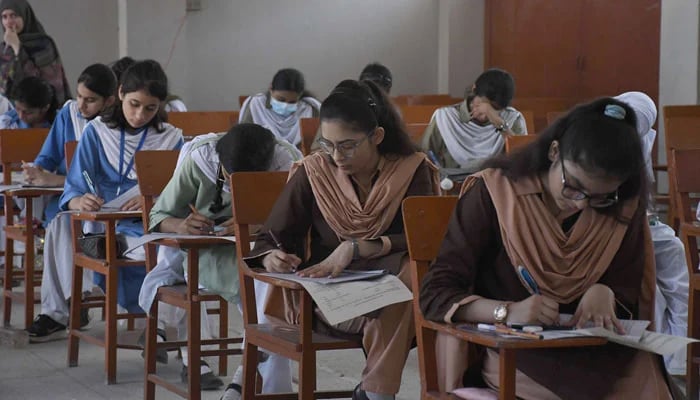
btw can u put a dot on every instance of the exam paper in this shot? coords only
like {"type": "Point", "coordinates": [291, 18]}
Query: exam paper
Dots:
{"type": "Point", "coordinates": [156, 236]}
{"type": "Point", "coordinates": [344, 301]}
{"type": "Point", "coordinates": [117, 203]}
{"type": "Point", "coordinates": [345, 276]}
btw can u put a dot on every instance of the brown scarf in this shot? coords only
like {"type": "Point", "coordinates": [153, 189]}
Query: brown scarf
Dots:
{"type": "Point", "coordinates": [564, 265]}
{"type": "Point", "coordinates": [339, 204]}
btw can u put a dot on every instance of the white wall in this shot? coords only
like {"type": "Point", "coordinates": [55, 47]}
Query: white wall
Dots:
{"type": "Point", "coordinates": [234, 47]}
{"type": "Point", "coordinates": [85, 31]}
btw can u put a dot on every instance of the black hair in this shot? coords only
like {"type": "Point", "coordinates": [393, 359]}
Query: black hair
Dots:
{"type": "Point", "coordinates": [100, 79]}
{"type": "Point", "coordinates": [362, 107]}
{"type": "Point", "coordinates": [496, 85]}
{"type": "Point", "coordinates": [144, 75]}
{"type": "Point", "coordinates": [36, 92]}
{"type": "Point", "coordinates": [292, 80]}
{"type": "Point", "coordinates": [379, 74]}
{"type": "Point", "coordinates": [598, 141]}
{"type": "Point", "coordinates": [244, 148]}
{"type": "Point", "coordinates": [121, 65]}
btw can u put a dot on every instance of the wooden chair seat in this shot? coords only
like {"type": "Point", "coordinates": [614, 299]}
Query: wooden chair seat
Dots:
{"type": "Point", "coordinates": [178, 295]}
{"type": "Point", "coordinates": [287, 338]}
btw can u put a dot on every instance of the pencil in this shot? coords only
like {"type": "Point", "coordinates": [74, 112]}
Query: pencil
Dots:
{"type": "Point", "coordinates": [194, 211]}
{"type": "Point", "coordinates": [509, 331]}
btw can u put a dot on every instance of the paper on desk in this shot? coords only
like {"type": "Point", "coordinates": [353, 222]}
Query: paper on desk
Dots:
{"type": "Point", "coordinates": [348, 300]}
{"type": "Point", "coordinates": [156, 236]}
{"type": "Point", "coordinates": [345, 276]}
{"type": "Point", "coordinates": [653, 342]}
{"type": "Point", "coordinates": [116, 203]}
{"type": "Point", "coordinates": [634, 328]}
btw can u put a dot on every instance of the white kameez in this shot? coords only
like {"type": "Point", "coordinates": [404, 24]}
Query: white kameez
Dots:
{"type": "Point", "coordinates": [287, 128]}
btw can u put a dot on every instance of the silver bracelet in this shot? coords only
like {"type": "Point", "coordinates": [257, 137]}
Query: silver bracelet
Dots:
{"type": "Point", "coordinates": [355, 249]}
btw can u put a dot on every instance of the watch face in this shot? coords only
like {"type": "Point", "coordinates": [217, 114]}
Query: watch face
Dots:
{"type": "Point", "coordinates": [500, 312]}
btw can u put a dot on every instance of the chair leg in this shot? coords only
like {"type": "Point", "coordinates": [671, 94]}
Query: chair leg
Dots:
{"type": "Point", "coordinates": [7, 281]}
{"type": "Point", "coordinates": [149, 388]}
{"type": "Point", "coordinates": [223, 333]}
{"type": "Point", "coordinates": [250, 370]}
{"type": "Point", "coordinates": [194, 343]}
{"type": "Point", "coordinates": [307, 375]}
{"type": "Point", "coordinates": [112, 279]}
{"type": "Point", "coordinates": [29, 280]}
{"type": "Point", "coordinates": [74, 320]}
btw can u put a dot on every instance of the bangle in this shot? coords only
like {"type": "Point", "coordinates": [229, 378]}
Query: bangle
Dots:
{"type": "Point", "coordinates": [355, 249]}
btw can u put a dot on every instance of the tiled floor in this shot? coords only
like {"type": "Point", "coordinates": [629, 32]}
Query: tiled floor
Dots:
{"type": "Point", "coordinates": [39, 371]}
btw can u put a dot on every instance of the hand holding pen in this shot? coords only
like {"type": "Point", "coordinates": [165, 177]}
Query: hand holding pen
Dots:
{"type": "Point", "coordinates": [536, 309]}
{"type": "Point", "coordinates": [197, 224]}
{"type": "Point", "coordinates": [279, 260]}
{"type": "Point", "coordinates": [89, 201]}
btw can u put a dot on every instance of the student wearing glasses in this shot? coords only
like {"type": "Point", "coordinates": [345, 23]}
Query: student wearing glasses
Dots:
{"type": "Point", "coordinates": [348, 196]}
{"type": "Point", "coordinates": [571, 210]}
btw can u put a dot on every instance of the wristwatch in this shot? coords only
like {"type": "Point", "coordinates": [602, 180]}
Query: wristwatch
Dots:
{"type": "Point", "coordinates": [355, 249]}
{"type": "Point", "coordinates": [500, 313]}
{"type": "Point", "coordinates": [502, 126]}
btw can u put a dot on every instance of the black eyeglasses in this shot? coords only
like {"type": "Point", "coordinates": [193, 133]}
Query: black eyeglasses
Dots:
{"type": "Point", "coordinates": [346, 148]}
{"type": "Point", "coordinates": [572, 193]}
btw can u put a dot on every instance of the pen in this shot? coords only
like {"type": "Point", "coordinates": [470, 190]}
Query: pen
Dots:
{"type": "Point", "coordinates": [203, 229]}
{"type": "Point", "coordinates": [88, 181]}
{"type": "Point", "coordinates": [527, 280]}
{"type": "Point", "coordinates": [278, 244]}
{"type": "Point", "coordinates": [509, 331]}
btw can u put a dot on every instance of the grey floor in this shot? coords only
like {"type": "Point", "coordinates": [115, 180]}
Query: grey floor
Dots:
{"type": "Point", "coordinates": [39, 371]}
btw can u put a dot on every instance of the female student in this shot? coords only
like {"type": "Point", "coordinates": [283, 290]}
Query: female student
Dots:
{"type": "Point", "coordinates": [172, 102]}
{"type": "Point", "coordinates": [349, 197]}
{"type": "Point", "coordinates": [105, 154]}
{"type": "Point", "coordinates": [378, 74]}
{"type": "Point", "coordinates": [96, 88]}
{"type": "Point", "coordinates": [28, 51]}
{"type": "Point", "coordinates": [282, 106]}
{"type": "Point", "coordinates": [35, 105]}
{"type": "Point", "coordinates": [570, 211]}
{"type": "Point", "coordinates": [201, 181]}
{"type": "Point", "coordinates": [465, 135]}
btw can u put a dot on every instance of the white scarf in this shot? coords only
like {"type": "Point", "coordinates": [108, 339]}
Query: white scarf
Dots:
{"type": "Point", "coordinates": [468, 142]}
{"type": "Point", "coordinates": [111, 139]}
{"type": "Point", "coordinates": [645, 111]}
{"type": "Point", "coordinates": [286, 128]}
{"type": "Point", "coordinates": [77, 119]}
{"type": "Point", "coordinates": [203, 153]}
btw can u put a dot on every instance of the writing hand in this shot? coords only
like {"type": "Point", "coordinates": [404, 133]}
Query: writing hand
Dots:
{"type": "Point", "coordinates": [333, 265]}
{"type": "Point", "coordinates": [598, 306]}
{"type": "Point", "coordinates": [279, 261]}
{"type": "Point", "coordinates": [536, 309]}
{"type": "Point", "coordinates": [88, 202]}
{"type": "Point", "coordinates": [133, 204]}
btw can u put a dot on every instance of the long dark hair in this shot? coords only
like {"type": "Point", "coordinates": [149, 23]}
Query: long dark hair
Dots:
{"type": "Point", "coordinates": [100, 79]}
{"type": "Point", "coordinates": [290, 80]}
{"type": "Point", "coordinates": [379, 74]}
{"type": "Point", "coordinates": [244, 148]}
{"type": "Point", "coordinates": [596, 138]}
{"type": "Point", "coordinates": [496, 85]}
{"type": "Point", "coordinates": [362, 107]}
{"type": "Point", "coordinates": [36, 92]}
{"type": "Point", "coordinates": [144, 75]}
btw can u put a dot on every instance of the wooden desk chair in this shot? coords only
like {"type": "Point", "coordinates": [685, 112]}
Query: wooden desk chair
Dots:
{"type": "Point", "coordinates": [426, 99]}
{"type": "Point", "coordinates": [425, 220]}
{"type": "Point", "coordinates": [152, 181]}
{"type": "Point", "coordinates": [195, 123]}
{"type": "Point", "coordinates": [69, 150]}
{"type": "Point", "coordinates": [309, 128]}
{"type": "Point", "coordinates": [540, 106]}
{"type": "Point", "coordinates": [529, 117]}
{"type": "Point", "coordinates": [416, 131]}
{"type": "Point", "coordinates": [17, 145]}
{"type": "Point", "coordinates": [254, 194]}
{"type": "Point", "coordinates": [242, 99]}
{"type": "Point", "coordinates": [418, 114]}
{"type": "Point", "coordinates": [685, 165]}
{"type": "Point", "coordinates": [682, 131]}
{"type": "Point", "coordinates": [518, 141]}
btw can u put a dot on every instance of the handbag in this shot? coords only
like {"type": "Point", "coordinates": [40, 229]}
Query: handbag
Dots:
{"type": "Point", "coordinates": [94, 245]}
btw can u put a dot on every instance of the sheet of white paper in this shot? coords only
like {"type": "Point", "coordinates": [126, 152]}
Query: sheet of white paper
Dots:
{"type": "Point", "coordinates": [345, 276]}
{"type": "Point", "coordinates": [633, 328]}
{"type": "Point", "coordinates": [117, 203]}
{"type": "Point", "coordinates": [10, 187]}
{"type": "Point", "coordinates": [652, 342]}
{"type": "Point", "coordinates": [348, 300]}
{"type": "Point", "coordinates": [155, 236]}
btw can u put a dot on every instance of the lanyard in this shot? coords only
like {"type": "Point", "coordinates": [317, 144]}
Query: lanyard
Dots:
{"type": "Point", "coordinates": [122, 145]}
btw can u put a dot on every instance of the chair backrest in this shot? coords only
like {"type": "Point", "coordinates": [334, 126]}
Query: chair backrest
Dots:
{"type": "Point", "coordinates": [517, 141]}
{"type": "Point", "coordinates": [685, 165]}
{"type": "Point", "coordinates": [418, 114]}
{"type": "Point", "coordinates": [195, 123]}
{"type": "Point", "coordinates": [416, 131]}
{"type": "Point", "coordinates": [241, 99]}
{"type": "Point", "coordinates": [540, 106]}
{"type": "Point", "coordinates": [69, 151]}
{"type": "Point", "coordinates": [529, 117]}
{"type": "Point", "coordinates": [309, 128]}
{"type": "Point", "coordinates": [426, 99]}
{"type": "Point", "coordinates": [253, 194]}
{"type": "Point", "coordinates": [17, 145]}
{"type": "Point", "coordinates": [154, 169]}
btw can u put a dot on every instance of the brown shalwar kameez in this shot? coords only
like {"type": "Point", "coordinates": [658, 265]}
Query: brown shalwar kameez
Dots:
{"type": "Point", "coordinates": [473, 262]}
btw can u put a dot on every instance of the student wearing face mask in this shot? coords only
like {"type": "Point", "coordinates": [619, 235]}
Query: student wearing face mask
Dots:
{"type": "Point", "coordinates": [282, 106]}
{"type": "Point", "coordinates": [466, 134]}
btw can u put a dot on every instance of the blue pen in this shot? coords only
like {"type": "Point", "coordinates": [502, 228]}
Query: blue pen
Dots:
{"type": "Point", "coordinates": [91, 186]}
{"type": "Point", "coordinates": [527, 280]}
{"type": "Point", "coordinates": [434, 159]}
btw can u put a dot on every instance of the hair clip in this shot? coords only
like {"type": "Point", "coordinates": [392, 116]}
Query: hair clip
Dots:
{"type": "Point", "coordinates": [371, 103]}
{"type": "Point", "coordinates": [615, 111]}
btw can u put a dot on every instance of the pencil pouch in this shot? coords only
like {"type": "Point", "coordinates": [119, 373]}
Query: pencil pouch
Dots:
{"type": "Point", "coordinates": [95, 245]}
